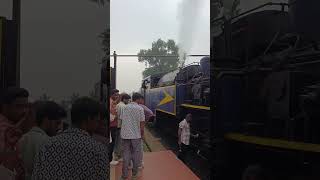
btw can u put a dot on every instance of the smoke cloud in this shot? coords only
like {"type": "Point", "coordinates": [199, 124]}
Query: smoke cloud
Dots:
{"type": "Point", "coordinates": [189, 13]}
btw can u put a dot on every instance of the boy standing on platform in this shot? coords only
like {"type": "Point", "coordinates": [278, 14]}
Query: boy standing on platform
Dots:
{"type": "Point", "coordinates": [184, 137]}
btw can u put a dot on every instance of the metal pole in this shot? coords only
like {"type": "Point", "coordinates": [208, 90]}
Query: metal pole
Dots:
{"type": "Point", "coordinates": [16, 17]}
{"type": "Point", "coordinates": [115, 68]}
{"type": "Point", "coordinates": [135, 55]}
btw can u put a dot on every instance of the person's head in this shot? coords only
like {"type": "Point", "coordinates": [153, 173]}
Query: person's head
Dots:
{"type": "Point", "coordinates": [85, 114]}
{"type": "Point", "coordinates": [125, 98]}
{"type": "Point", "coordinates": [49, 116]}
{"type": "Point", "coordinates": [137, 97]}
{"type": "Point", "coordinates": [189, 117]}
{"type": "Point", "coordinates": [15, 103]}
{"type": "Point", "coordinates": [114, 94]}
{"type": "Point", "coordinates": [142, 101]}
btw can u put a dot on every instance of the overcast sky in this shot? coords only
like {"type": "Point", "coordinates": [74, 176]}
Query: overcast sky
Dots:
{"type": "Point", "coordinates": [136, 24]}
{"type": "Point", "coordinates": [59, 45]}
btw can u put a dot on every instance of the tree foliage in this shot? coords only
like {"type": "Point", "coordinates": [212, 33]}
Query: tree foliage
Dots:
{"type": "Point", "coordinates": [156, 65]}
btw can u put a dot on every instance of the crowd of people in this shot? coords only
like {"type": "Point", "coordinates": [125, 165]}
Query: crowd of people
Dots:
{"type": "Point", "coordinates": [35, 144]}
{"type": "Point", "coordinates": [127, 120]}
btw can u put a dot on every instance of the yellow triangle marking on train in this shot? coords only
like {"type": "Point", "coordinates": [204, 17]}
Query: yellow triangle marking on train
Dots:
{"type": "Point", "coordinates": [167, 98]}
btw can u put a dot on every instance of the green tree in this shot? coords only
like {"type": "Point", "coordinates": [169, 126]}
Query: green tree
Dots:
{"type": "Point", "coordinates": [156, 65]}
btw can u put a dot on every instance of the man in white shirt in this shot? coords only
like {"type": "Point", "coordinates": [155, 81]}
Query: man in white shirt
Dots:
{"type": "Point", "coordinates": [132, 129]}
{"type": "Point", "coordinates": [184, 137]}
{"type": "Point", "coordinates": [124, 100]}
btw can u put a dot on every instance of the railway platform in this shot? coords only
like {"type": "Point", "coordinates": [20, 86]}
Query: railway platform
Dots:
{"type": "Point", "coordinates": [161, 165]}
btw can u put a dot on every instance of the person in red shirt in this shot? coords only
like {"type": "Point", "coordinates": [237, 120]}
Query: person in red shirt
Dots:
{"type": "Point", "coordinates": [114, 100]}
{"type": "Point", "coordinates": [14, 112]}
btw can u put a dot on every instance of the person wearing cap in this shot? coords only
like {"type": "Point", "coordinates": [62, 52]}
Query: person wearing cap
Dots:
{"type": "Point", "coordinates": [49, 117]}
{"type": "Point", "coordinates": [114, 100]}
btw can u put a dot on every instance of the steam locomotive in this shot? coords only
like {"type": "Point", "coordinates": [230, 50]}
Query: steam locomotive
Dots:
{"type": "Point", "coordinates": [265, 81]}
{"type": "Point", "coordinates": [172, 95]}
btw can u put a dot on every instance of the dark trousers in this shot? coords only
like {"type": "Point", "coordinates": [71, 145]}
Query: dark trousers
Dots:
{"type": "Point", "coordinates": [184, 153]}
{"type": "Point", "coordinates": [113, 131]}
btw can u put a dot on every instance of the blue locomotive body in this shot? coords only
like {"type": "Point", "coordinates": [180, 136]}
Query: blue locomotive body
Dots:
{"type": "Point", "coordinates": [171, 96]}
{"type": "Point", "coordinates": [167, 93]}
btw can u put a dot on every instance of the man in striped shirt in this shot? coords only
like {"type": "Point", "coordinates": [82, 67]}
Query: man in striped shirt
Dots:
{"type": "Point", "coordinates": [132, 129]}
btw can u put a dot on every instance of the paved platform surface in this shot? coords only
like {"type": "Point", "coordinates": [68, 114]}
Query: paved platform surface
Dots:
{"type": "Point", "coordinates": [161, 165]}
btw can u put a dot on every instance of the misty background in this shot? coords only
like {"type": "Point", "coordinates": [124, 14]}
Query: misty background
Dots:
{"type": "Point", "coordinates": [134, 25]}
{"type": "Point", "coordinates": [60, 48]}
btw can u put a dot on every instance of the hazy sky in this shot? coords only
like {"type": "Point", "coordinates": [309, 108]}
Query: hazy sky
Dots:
{"type": "Point", "coordinates": [136, 24]}
{"type": "Point", "coordinates": [59, 45]}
